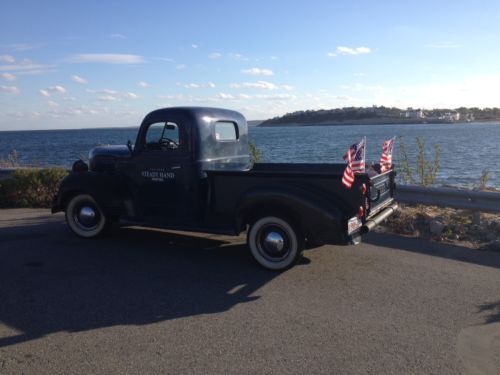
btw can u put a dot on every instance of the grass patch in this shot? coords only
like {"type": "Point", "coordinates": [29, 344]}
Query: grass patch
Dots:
{"type": "Point", "coordinates": [31, 187]}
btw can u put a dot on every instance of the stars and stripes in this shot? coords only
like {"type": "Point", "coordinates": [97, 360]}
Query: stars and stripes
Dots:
{"type": "Point", "coordinates": [355, 159]}
{"type": "Point", "coordinates": [386, 158]}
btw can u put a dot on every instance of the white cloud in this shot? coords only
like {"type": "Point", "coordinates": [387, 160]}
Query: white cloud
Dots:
{"type": "Point", "coordinates": [79, 79]}
{"type": "Point", "coordinates": [21, 47]}
{"type": "Point", "coordinates": [172, 97]}
{"type": "Point", "coordinates": [181, 66]}
{"type": "Point", "coordinates": [198, 85]}
{"type": "Point", "coordinates": [236, 56]}
{"type": "Point", "coordinates": [353, 51]}
{"type": "Point", "coordinates": [7, 59]}
{"type": "Point", "coordinates": [27, 67]}
{"type": "Point", "coordinates": [258, 72]}
{"type": "Point", "coordinates": [8, 76]}
{"type": "Point", "coordinates": [108, 95]}
{"type": "Point", "coordinates": [107, 98]}
{"type": "Point", "coordinates": [9, 89]}
{"type": "Point", "coordinates": [117, 36]}
{"type": "Point", "coordinates": [107, 58]}
{"type": "Point", "coordinates": [143, 84]}
{"type": "Point", "coordinates": [131, 95]}
{"type": "Point", "coordinates": [274, 57]}
{"type": "Point", "coordinates": [102, 91]}
{"type": "Point", "coordinates": [287, 87]}
{"type": "Point", "coordinates": [331, 54]}
{"type": "Point", "coordinates": [51, 103]}
{"type": "Point", "coordinates": [57, 89]}
{"type": "Point", "coordinates": [225, 96]}
{"type": "Point", "coordinates": [255, 85]}
{"type": "Point", "coordinates": [194, 46]}
{"type": "Point", "coordinates": [215, 55]}
{"type": "Point", "coordinates": [277, 97]}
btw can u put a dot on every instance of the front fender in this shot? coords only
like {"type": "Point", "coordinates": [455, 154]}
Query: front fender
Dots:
{"type": "Point", "coordinates": [104, 188]}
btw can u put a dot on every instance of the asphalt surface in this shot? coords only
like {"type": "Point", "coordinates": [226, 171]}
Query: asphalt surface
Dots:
{"type": "Point", "coordinates": [146, 301]}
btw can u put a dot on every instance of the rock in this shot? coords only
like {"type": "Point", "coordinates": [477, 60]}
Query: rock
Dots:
{"type": "Point", "coordinates": [436, 227]}
{"type": "Point", "coordinates": [494, 225]}
{"type": "Point", "coordinates": [491, 236]}
{"type": "Point", "coordinates": [492, 246]}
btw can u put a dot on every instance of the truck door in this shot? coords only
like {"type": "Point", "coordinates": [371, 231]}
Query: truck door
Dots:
{"type": "Point", "coordinates": [163, 173]}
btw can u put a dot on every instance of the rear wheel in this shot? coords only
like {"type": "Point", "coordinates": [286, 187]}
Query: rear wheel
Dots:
{"type": "Point", "coordinates": [84, 216]}
{"type": "Point", "coordinates": [275, 243]}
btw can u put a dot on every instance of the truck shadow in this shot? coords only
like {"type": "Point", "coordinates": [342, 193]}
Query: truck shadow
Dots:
{"type": "Point", "coordinates": [438, 249]}
{"type": "Point", "coordinates": [51, 281]}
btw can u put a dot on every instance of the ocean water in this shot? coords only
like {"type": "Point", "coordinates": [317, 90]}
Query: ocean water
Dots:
{"type": "Point", "coordinates": [466, 149]}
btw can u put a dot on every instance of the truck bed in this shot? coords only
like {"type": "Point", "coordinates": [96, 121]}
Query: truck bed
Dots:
{"type": "Point", "coordinates": [319, 180]}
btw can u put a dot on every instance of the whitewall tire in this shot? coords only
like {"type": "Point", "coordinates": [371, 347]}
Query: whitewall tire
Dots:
{"type": "Point", "coordinates": [84, 216]}
{"type": "Point", "coordinates": [275, 243]}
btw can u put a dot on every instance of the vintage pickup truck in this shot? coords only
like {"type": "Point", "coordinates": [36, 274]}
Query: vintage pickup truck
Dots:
{"type": "Point", "coordinates": [190, 169]}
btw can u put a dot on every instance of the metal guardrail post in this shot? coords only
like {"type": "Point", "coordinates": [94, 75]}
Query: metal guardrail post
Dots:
{"type": "Point", "coordinates": [476, 218]}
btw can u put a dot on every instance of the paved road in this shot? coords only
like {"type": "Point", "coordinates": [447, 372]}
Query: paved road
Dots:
{"type": "Point", "coordinates": [146, 301]}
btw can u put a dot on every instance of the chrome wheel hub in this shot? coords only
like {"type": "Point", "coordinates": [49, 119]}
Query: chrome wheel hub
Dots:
{"type": "Point", "coordinates": [274, 242]}
{"type": "Point", "coordinates": [87, 216]}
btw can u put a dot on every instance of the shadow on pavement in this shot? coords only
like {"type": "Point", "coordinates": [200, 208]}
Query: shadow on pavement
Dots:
{"type": "Point", "coordinates": [52, 281]}
{"type": "Point", "coordinates": [493, 310]}
{"type": "Point", "coordinates": [438, 249]}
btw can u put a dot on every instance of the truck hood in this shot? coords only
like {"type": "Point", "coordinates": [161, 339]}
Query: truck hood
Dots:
{"type": "Point", "coordinates": [121, 151]}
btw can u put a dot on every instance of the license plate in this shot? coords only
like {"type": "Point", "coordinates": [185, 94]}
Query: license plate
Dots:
{"type": "Point", "coordinates": [353, 224]}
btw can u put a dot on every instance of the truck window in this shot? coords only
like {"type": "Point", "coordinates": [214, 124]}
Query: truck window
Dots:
{"type": "Point", "coordinates": [162, 136]}
{"type": "Point", "coordinates": [226, 131]}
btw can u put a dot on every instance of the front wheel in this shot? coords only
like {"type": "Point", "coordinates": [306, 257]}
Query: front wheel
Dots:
{"type": "Point", "coordinates": [275, 243]}
{"type": "Point", "coordinates": [84, 216]}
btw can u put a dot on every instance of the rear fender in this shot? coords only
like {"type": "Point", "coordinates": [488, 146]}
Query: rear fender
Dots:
{"type": "Point", "coordinates": [319, 219]}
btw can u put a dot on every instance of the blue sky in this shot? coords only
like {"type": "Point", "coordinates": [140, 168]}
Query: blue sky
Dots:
{"type": "Point", "coordinates": [104, 63]}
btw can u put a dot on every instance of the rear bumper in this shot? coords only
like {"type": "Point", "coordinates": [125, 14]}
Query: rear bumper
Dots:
{"type": "Point", "coordinates": [379, 217]}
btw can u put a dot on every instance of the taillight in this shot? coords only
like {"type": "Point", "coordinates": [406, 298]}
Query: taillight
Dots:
{"type": "Point", "coordinates": [361, 212]}
{"type": "Point", "coordinates": [364, 189]}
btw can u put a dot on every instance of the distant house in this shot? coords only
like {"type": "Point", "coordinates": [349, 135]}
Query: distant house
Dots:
{"type": "Point", "coordinates": [451, 116]}
{"type": "Point", "coordinates": [415, 113]}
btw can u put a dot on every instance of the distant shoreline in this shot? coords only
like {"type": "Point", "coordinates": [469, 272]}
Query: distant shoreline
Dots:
{"type": "Point", "coordinates": [373, 122]}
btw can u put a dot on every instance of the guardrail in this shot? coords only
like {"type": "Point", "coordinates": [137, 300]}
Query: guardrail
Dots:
{"type": "Point", "coordinates": [474, 200]}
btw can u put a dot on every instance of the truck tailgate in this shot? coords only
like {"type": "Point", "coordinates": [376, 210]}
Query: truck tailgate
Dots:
{"type": "Point", "coordinates": [381, 192]}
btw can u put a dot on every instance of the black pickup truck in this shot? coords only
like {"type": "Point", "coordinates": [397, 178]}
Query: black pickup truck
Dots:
{"type": "Point", "coordinates": [190, 169]}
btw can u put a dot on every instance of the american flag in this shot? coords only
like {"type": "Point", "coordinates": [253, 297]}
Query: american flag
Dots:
{"type": "Point", "coordinates": [355, 159]}
{"type": "Point", "coordinates": [386, 158]}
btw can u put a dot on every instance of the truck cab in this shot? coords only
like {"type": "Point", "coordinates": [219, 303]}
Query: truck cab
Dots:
{"type": "Point", "coordinates": [190, 169]}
